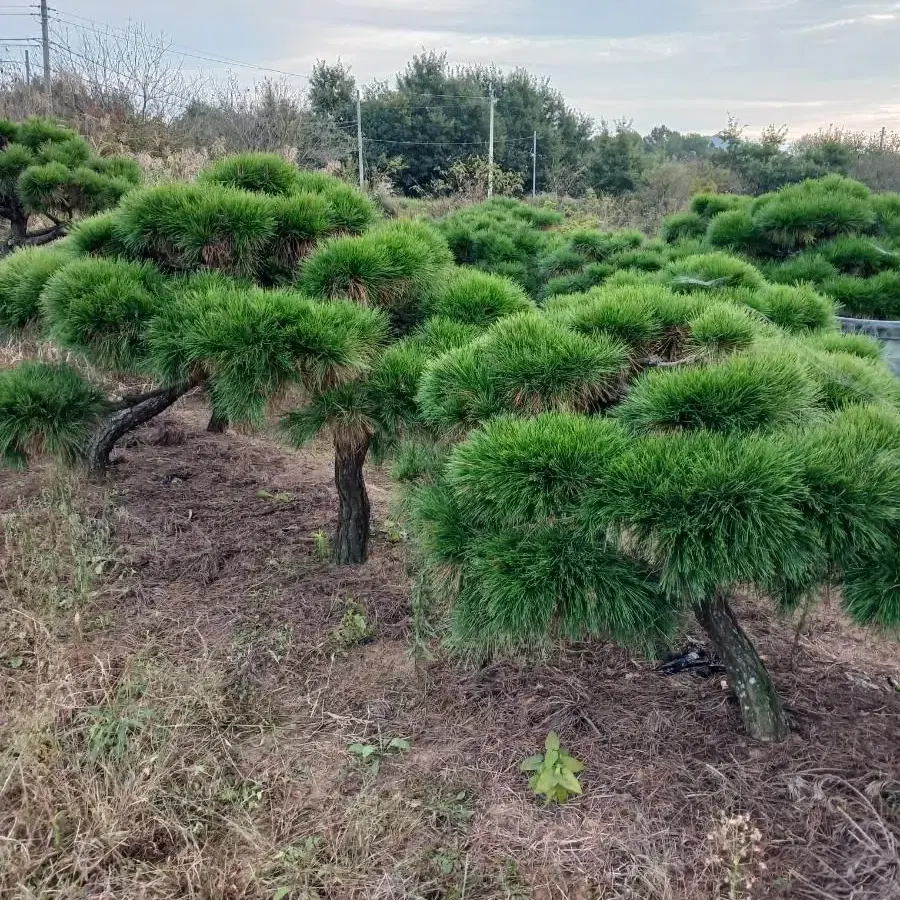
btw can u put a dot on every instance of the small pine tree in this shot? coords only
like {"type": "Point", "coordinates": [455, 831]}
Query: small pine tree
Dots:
{"type": "Point", "coordinates": [634, 454]}
{"type": "Point", "coordinates": [49, 171]}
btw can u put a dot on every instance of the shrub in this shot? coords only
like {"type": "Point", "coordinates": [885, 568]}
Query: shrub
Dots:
{"type": "Point", "coordinates": [251, 344]}
{"type": "Point", "coordinates": [476, 298]}
{"type": "Point", "coordinates": [846, 379]}
{"type": "Point", "coordinates": [710, 509]}
{"type": "Point", "coordinates": [515, 471]}
{"type": "Point", "coordinates": [262, 173]}
{"type": "Point", "coordinates": [711, 272]}
{"type": "Point", "coordinates": [101, 308]}
{"type": "Point", "coordinates": [859, 344]}
{"type": "Point", "coordinates": [742, 393]}
{"type": "Point", "coordinates": [682, 226]}
{"type": "Point", "coordinates": [46, 408]}
{"type": "Point", "coordinates": [23, 275]}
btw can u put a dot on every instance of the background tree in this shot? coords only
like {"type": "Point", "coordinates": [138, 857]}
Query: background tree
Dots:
{"type": "Point", "coordinates": [48, 171]}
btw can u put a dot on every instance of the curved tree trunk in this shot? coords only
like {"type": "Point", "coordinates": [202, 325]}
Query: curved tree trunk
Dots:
{"type": "Point", "coordinates": [352, 537]}
{"type": "Point", "coordinates": [218, 424]}
{"type": "Point", "coordinates": [124, 420]}
{"type": "Point", "coordinates": [761, 707]}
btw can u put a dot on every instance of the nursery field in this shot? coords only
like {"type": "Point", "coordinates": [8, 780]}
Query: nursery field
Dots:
{"type": "Point", "coordinates": [479, 554]}
{"type": "Point", "coordinates": [181, 692]}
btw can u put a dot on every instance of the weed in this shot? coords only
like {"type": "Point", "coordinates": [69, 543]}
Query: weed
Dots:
{"type": "Point", "coordinates": [372, 755]}
{"type": "Point", "coordinates": [394, 532]}
{"type": "Point", "coordinates": [322, 544]}
{"type": "Point", "coordinates": [735, 848]}
{"type": "Point", "coordinates": [354, 628]}
{"type": "Point", "coordinates": [555, 772]}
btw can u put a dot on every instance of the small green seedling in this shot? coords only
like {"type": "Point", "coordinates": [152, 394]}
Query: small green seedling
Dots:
{"type": "Point", "coordinates": [373, 754]}
{"type": "Point", "coordinates": [323, 544]}
{"type": "Point", "coordinates": [555, 772]}
{"type": "Point", "coordinates": [281, 497]}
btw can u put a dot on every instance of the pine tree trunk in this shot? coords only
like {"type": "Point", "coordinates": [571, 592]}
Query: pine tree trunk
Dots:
{"type": "Point", "coordinates": [125, 420]}
{"type": "Point", "coordinates": [352, 537]}
{"type": "Point", "coordinates": [218, 424]}
{"type": "Point", "coordinates": [761, 707]}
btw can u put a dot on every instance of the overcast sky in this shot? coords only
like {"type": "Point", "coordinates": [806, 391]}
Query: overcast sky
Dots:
{"type": "Point", "coordinates": [685, 63]}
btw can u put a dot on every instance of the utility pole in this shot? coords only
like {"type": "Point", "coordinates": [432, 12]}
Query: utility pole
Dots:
{"type": "Point", "coordinates": [27, 67]}
{"type": "Point", "coordinates": [881, 143]}
{"type": "Point", "coordinates": [491, 146]}
{"type": "Point", "coordinates": [359, 136]}
{"type": "Point", "coordinates": [45, 38]}
{"type": "Point", "coordinates": [534, 167]}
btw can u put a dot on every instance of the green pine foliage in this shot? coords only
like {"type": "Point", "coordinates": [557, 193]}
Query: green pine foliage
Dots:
{"type": "Point", "coordinates": [626, 316]}
{"type": "Point", "coordinates": [261, 173]}
{"type": "Point", "coordinates": [733, 231]}
{"type": "Point", "coordinates": [475, 298]}
{"type": "Point", "coordinates": [712, 272]}
{"type": "Point", "coordinates": [48, 169]}
{"type": "Point", "coordinates": [683, 226]}
{"type": "Point", "coordinates": [763, 391]}
{"type": "Point", "coordinates": [877, 297]}
{"type": "Point", "coordinates": [796, 308]}
{"type": "Point", "coordinates": [97, 236]}
{"type": "Point", "coordinates": [524, 364]}
{"type": "Point", "coordinates": [102, 307]}
{"type": "Point", "coordinates": [394, 267]}
{"type": "Point", "coordinates": [709, 509]}
{"type": "Point", "coordinates": [250, 344]}
{"type": "Point", "coordinates": [46, 408]}
{"type": "Point", "coordinates": [708, 206]}
{"type": "Point", "coordinates": [23, 275]}
{"type": "Point", "coordinates": [182, 227]}
{"type": "Point", "coordinates": [722, 328]}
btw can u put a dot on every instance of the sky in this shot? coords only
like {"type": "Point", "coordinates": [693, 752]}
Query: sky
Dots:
{"type": "Point", "coordinates": [685, 63]}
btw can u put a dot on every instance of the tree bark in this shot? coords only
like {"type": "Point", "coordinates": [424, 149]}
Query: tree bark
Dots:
{"type": "Point", "coordinates": [218, 424]}
{"type": "Point", "coordinates": [124, 420]}
{"type": "Point", "coordinates": [352, 537]}
{"type": "Point", "coordinates": [761, 707]}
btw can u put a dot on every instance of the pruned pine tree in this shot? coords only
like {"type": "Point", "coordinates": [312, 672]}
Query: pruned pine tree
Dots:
{"type": "Point", "coordinates": [49, 172]}
{"type": "Point", "coordinates": [258, 283]}
{"type": "Point", "coordinates": [638, 453]}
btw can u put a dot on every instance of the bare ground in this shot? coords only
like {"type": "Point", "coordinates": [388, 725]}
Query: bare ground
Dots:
{"type": "Point", "coordinates": [178, 695]}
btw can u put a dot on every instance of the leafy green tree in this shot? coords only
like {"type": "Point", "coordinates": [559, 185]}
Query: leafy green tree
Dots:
{"type": "Point", "coordinates": [617, 161]}
{"type": "Point", "coordinates": [638, 453]}
{"type": "Point", "coordinates": [50, 172]}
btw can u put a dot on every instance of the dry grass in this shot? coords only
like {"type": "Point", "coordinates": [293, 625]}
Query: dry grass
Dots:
{"type": "Point", "coordinates": [178, 701]}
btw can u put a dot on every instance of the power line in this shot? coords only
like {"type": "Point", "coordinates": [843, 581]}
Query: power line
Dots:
{"type": "Point", "coordinates": [175, 51]}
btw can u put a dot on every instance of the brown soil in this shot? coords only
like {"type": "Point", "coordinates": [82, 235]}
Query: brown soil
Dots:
{"type": "Point", "coordinates": [214, 580]}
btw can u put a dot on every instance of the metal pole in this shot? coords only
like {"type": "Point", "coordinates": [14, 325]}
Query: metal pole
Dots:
{"type": "Point", "coordinates": [490, 191]}
{"type": "Point", "coordinates": [534, 167]}
{"type": "Point", "coordinates": [27, 68]}
{"type": "Point", "coordinates": [45, 37]}
{"type": "Point", "coordinates": [359, 136]}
